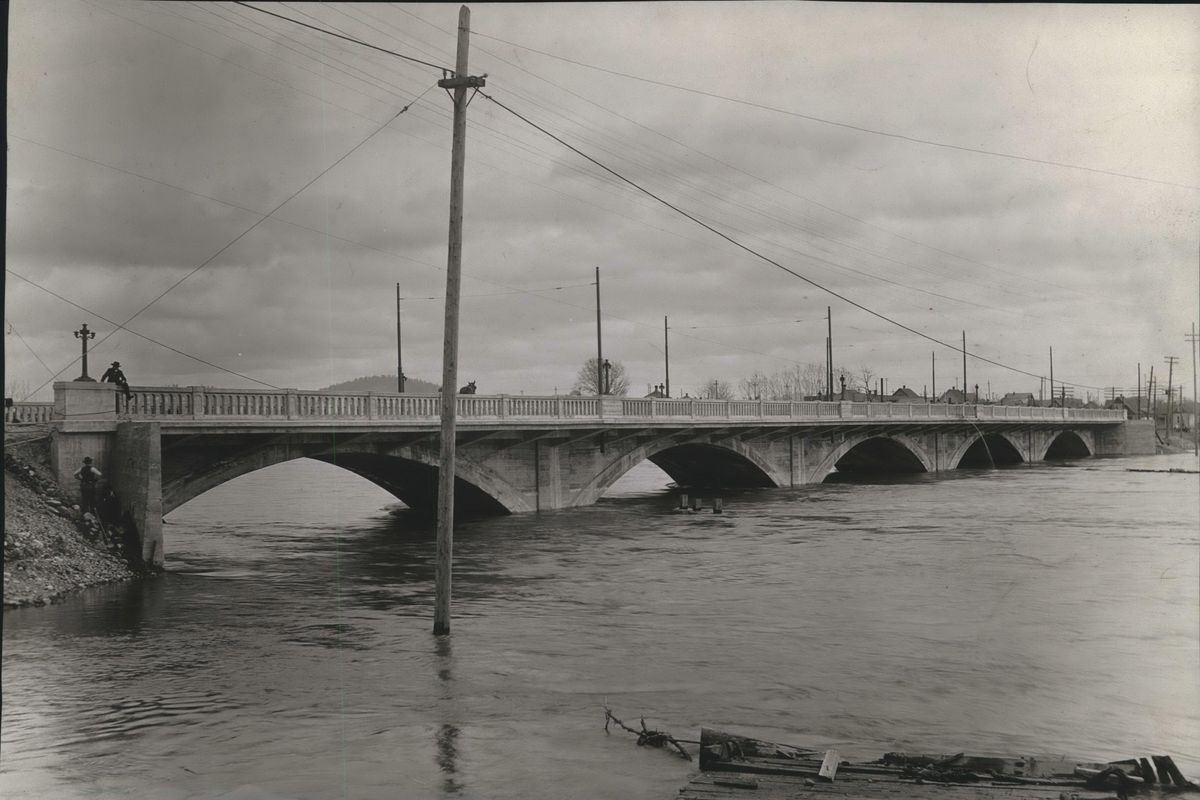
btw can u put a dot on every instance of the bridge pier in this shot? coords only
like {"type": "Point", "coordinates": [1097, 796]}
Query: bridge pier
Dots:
{"type": "Point", "coordinates": [128, 454]}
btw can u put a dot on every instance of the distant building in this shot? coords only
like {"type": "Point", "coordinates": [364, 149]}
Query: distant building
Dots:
{"type": "Point", "coordinates": [958, 397]}
{"type": "Point", "coordinates": [1018, 399]}
{"type": "Point", "coordinates": [905, 395]}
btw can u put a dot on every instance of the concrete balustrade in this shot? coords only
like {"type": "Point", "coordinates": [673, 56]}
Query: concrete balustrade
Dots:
{"type": "Point", "coordinates": [203, 402]}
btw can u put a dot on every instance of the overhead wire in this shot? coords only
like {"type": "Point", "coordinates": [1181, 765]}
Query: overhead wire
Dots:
{"type": "Point", "coordinates": [836, 123]}
{"type": "Point", "coordinates": [864, 273]}
{"type": "Point", "coordinates": [1006, 287]}
{"type": "Point", "coordinates": [120, 326]}
{"type": "Point", "coordinates": [445, 69]}
{"type": "Point", "coordinates": [13, 328]}
{"type": "Point", "coordinates": [272, 215]}
{"type": "Point", "coordinates": [763, 257]}
{"type": "Point", "coordinates": [240, 236]}
{"type": "Point", "coordinates": [639, 188]}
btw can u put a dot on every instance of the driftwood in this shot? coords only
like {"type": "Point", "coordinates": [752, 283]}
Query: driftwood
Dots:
{"type": "Point", "coordinates": [646, 737]}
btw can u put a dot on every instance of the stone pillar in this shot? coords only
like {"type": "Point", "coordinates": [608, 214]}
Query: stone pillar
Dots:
{"type": "Point", "coordinates": [197, 402]}
{"type": "Point", "coordinates": [135, 475]}
{"type": "Point", "coordinates": [1130, 438]}
{"type": "Point", "coordinates": [85, 401]}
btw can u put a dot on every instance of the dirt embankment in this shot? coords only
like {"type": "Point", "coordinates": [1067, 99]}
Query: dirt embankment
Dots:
{"type": "Point", "coordinates": [50, 548]}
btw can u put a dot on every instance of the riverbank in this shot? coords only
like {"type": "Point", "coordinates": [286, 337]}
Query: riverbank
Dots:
{"type": "Point", "coordinates": [50, 548]}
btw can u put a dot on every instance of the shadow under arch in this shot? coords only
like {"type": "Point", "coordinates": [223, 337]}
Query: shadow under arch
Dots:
{"type": "Point", "coordinates": [694, 464]}
{"type": "Point", "coordinates": [1066, 445]}
{"type": "Point", "coordinates": [875, 455]}
{"type": "Point", "coordinates": [408, 474]}
{"type": "Point", "coordinates": [988, 450]}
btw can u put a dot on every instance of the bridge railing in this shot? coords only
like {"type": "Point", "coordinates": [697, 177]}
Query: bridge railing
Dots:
{"type": "Point", "coordinates": [198, 402]}
{"type": "Point", "coordinates": [21, 413]}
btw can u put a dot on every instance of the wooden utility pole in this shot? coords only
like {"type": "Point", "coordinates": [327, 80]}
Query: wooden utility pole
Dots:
{"type": "Point", "coordinates": [1052, 376]}
{"type": "Point", "coordinates": [933, 376]}
{"type": "Point", "coordinates": [1170, 377]}
{"type": "Point", "coordinates": [1138, 413]}
{"type": "Point", "coordinates": [459, 83]}
{"type": "Point", "coordinates": [667, 357]}
{"type": "Point", "coordinates": [599, 343]}
{"type": "Point", "coordinates": [829, 350]}
{"type": "Point", "coordinates": [1151, 401]}
{"type": "Point", "coordinates": [1195, 397]}
{"type": "Point", "coordinates": [399, 352]}
{"type": "Point", "coordinates": [965, 366]}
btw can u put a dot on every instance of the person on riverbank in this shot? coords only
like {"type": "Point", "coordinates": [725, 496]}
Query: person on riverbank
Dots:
{"type": "Point", "coordinates": [88, 476]}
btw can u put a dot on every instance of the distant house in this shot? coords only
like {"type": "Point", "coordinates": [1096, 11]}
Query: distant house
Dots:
{"type": "Point", "coordinates": [957, 397]}
{"type": "Point", "coordinates": [905, 395]}
{"type": "Point", "coordinates": [1018, 399]}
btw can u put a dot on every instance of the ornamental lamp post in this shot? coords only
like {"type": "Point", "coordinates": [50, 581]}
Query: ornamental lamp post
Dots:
{"type": "Point", "coordinates": [83, 334]}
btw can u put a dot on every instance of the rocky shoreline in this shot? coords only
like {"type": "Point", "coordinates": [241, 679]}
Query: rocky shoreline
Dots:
{"type": "Point", "coordinates": [50, 548]}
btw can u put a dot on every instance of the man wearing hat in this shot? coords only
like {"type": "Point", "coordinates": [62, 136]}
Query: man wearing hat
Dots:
{"type": "Point", "coordinates": [88, 476]}
{"type": "Point", "coordinates": [114, 375]}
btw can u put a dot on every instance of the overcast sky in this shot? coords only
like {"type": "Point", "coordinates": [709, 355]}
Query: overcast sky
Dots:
{"type": "Point", "coordinates": [145, 137]}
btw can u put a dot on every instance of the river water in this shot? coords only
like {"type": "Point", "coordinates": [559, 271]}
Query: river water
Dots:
{"type": "Point", "coordinates": [288, 651]}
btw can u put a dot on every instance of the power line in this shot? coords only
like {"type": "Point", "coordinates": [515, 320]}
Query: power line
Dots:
{"type": "Point", "coordinates": [846, 125]}
{"type": "Point", "coordinates": [119, 326]}
{"type": "Point", "coordinates": [232, 242]}
{"type": "Point", "coordinates": [1005, 287]}
{"type": "Point", "coordinates": [759, 255]}
{"type": "Point", "coordinates": [13, 328]}
{"type": "Point", "coordinates": [766, 215]}
{"type": "Point", "coordinates": [327, 32]}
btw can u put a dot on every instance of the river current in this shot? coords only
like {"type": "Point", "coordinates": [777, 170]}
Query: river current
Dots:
{"type": "Point", "coordinates": [288, 653]}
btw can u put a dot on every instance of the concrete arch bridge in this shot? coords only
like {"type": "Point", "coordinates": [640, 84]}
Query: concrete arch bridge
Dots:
{"type": "Point", "coordinates": [525, 454]}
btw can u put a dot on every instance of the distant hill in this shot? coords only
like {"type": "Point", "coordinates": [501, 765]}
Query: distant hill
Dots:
{"type": "Point", "coordinates": [382, 383]}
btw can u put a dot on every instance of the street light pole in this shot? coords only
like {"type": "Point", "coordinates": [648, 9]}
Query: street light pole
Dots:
{"type": "Point", "coordinates": [83, 334]}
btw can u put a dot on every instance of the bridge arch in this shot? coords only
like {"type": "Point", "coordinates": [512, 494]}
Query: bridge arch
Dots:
{"type": "Point", "coordinates": [1069, 444]}
{"type": "Point", "coordinates": [408, 473]}
{"type": "Point", "coordinates": [726, 463]}
{"type": "Point", "coordinates": [874, 453]}
{"type": "Point", "coordinates": [995, 448]}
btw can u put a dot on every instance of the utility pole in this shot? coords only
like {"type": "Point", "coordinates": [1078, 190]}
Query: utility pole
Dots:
{"type": "Point", "coordinates": [460, 82]}
{"type": "Point", "coordinates": [399, 352]}
{"type": "Point", "coordinates": [599, 346]}
{"type": "Point", "coordinates": [667, 357]}
{"type": "Point", "coordinates": [1151, 400]}
{"type": "Point", "coordinates": [829, 350]}
{"type": "Point", "coordinates": [83, 334]}
{"type": "Point", "coordinates": [1138, 413]}
{"type": "Point", "coordinates": [1051, 376]}
{"type": "Point", "coordinates": [932, 376]}
{"type": "Point", "coordinates": [1195, 397]}
{"type": "Point", "coordinates": [965, 366]}
{"type": "Point", "coordinates": [1170, 377]}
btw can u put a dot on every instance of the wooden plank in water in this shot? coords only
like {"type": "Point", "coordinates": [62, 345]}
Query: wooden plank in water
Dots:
{"type": "Point", "coordinates": [829, 766]}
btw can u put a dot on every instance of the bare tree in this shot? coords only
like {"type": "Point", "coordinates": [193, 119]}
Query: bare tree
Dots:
{"type": "Point", "coordinates": [586, 381]}
{"type": "Point", "coordinates": [866, 375]}
{"type": "Point", "coordinates": [716, 389]}
{"type": "Point", "coordinates": [755, 387]}
{"type": "Point", "coordinates": [791, 383]}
